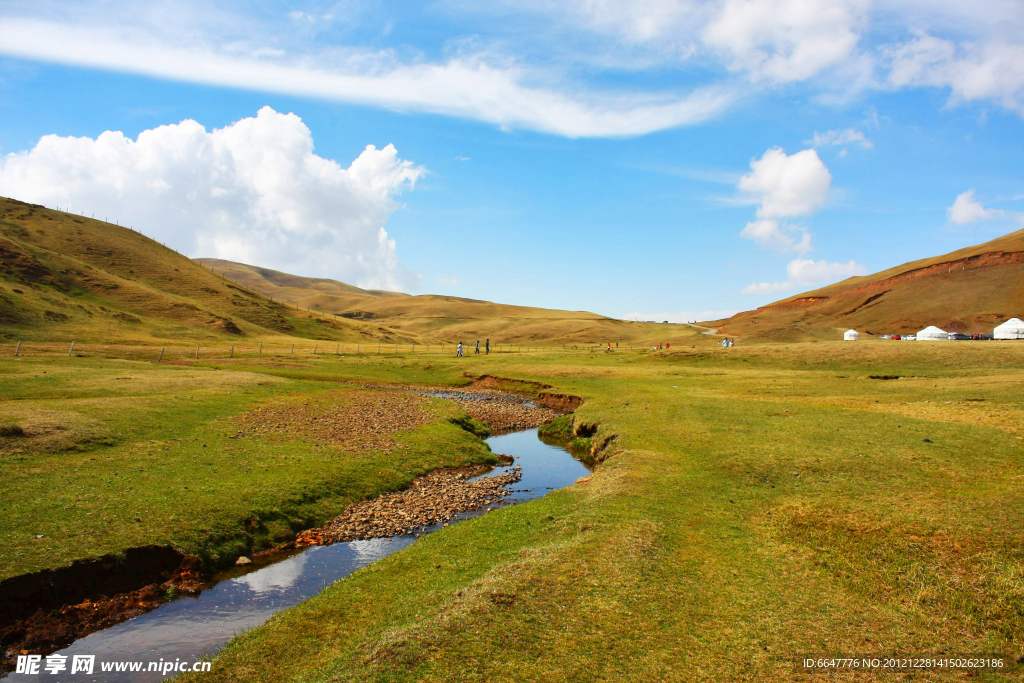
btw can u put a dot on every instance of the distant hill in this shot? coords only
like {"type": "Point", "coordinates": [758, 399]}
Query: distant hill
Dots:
{"type": "Point", "coordinates": [970, 290]}
{"type": "Point", "coordinates": [66, 277]}
{"type": "Point", "coordinates": [431, 317]}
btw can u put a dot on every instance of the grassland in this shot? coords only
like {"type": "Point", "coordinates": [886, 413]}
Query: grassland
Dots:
{"type": "Point", "coordinates": [99, 455]}
{"type": "Point", "coordinates": [70, 278]}
{"type": "Point", "coordinates": [760, 502]}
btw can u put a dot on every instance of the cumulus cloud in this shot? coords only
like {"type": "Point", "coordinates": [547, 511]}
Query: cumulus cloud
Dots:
{"type": "Point", "coordinates": [834, 138]}
{"type": "Point", "coordinates": [967, 209]}
{"type": "Point", "coordinates": [446, 281]}
{"type": "Point", "coordinates": [986, 70]}
{"type": "Point", "coordinates": [783, 41]}
{"type": "Point", "coordinates": [784, 187]}
{"type": "Point", "coordinates": [253, 191]}
{"type": "Point", "coordinates": [681, 317]}
{"type": "Point", "coordinates": [807, 272]}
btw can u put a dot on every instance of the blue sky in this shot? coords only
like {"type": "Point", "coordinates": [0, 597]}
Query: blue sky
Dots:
{"type": "Point", "coordinates": [649, 158]}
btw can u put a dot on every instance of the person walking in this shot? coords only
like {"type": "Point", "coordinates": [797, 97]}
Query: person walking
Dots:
{"type": "Point", "coordinates": [477, 351]}
{"type": "Point", "coordinates": [487, 347]}
{"type": "Point", "coordinates": [458, 352]}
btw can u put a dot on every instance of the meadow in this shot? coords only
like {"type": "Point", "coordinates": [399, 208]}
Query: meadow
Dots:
{"type": "Point", "coordinates": [758, 504]}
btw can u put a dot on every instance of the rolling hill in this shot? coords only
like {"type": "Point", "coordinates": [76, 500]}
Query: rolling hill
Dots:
{"type": "Point", "coordinates": [431, 317]}
{"type": "Point", "coordinates": [970, 290]}
{"type": "Point", "coordinates": [65, 277]}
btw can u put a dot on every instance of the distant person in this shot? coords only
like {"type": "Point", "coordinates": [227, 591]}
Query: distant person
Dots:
{"type": "Point", "coordinates": [487, 347]}
{"type": "Point", "coordinates": [668, 345]}
{"type": "Point", "coordinates": [458, 352]}
{"type": "Point", "coordinates": [477, 351]}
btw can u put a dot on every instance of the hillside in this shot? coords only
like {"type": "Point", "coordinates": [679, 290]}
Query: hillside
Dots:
{"type": "Point", "coordinates": [432, 317]}
{"type": "Point", "coordinates": [970, 290]}
{"type": "Point", "coordinates": [65, 277]}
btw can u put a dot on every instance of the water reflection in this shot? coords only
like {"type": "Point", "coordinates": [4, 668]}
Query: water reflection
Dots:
{"type": "Point", "coordinates": [190, 627]}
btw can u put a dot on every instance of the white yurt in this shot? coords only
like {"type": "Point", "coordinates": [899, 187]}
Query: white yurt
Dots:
{"type": "Point", "coordinates": [851, 335]}
{"type": "Point", "coordinates": [1011, 329]}
{"type": "Point", "coordinates": [932, 333]}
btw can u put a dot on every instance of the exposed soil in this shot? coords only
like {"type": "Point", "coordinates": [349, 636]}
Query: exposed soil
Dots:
{"type": "Point", "coordinates": [435, 498]}
{"type": "Point", "coordinates": [46, 611]}
{"type": "Point", "coordinates": [500, 411]}
{"type": "Point", "coordinates": [363, 420]}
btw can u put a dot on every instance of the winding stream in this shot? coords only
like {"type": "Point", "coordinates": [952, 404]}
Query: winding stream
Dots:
{"type": "Point", "coordinates": [245, 597]}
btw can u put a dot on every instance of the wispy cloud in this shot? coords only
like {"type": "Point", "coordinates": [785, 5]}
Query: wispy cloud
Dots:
{"type": "Point", "coordinates": [466, 86]}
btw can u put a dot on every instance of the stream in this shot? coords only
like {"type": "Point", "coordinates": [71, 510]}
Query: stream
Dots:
{"type": "Point", "coordinates": [245, 597]}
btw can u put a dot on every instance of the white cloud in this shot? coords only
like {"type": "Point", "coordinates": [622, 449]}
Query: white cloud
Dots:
{"type": "Point", "coordinates": [681, 317]}
{"type": "Point", "coordinates": [253, 191]}
{"type": "Point", "coordinates": [991, 69]}
{"type": "Point", "coordinates": [784, 187]}
{"type": "Point", "coordinates": [446, 281]}
{"type": "Point", "coordinates": [787, 186]}
{"type": "Point", "coordinates": [465, 86]}
{"type": "Point", "coordinates": [782, 41]}
{"type": "Point", "coordinates": [771, 234]}
{"type": "Point", "coordinates": [806, 272]}
{"type": "Point", "coordinates": [967, 209]}
{"type": "Point", "coordinates": [833, 138]}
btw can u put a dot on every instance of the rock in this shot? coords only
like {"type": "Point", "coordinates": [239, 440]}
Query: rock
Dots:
{"type": "Point", "coordinates": [243, 560]}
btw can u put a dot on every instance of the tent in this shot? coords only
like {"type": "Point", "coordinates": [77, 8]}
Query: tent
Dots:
{"type": "Point", "coordinates": [932, 333]}
{"type": "Point", "coordinates": [851, 335]}
{"type": "Point", "coordinates": [1011, 329]}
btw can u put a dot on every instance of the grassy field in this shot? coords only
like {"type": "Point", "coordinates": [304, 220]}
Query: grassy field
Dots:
{"type": "Point", "coordinates": [765, 502]}
{"type": "Point", "coordinates": [759, 503]}
{"type": "Point", "coordinates": [100, 455]}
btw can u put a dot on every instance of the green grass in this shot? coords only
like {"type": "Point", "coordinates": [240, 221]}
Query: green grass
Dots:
{"type": "Point", "coordinates": [117, 454]}
{"type": "Point", "coordinates": [760, 504]}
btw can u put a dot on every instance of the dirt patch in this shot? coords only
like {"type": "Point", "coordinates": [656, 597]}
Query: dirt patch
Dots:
{"type": "Point", "coordinates": [490, 382]}
{"type": "Point", "coordinates": [48, 431]}
{"type": "Point", "coordinates": [49, 610]}
{"type": "Point", "coordinates": [565, 403]}
{"type": "Point", "coordinates": [501, 412]}
{"type": "Point", "coordinates": [435, 498]}
{"type": "Point", "coordinates": [364, 420]}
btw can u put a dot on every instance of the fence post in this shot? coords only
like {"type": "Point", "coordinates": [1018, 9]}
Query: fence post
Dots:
{"type": "Point", "coordinates": [161, 355]}
{"type": "Point", "coordinates": [315, 347]}
{"type": "Point", "coordinates": [336, 348]}
{"type": "Point", "coordinates": [261, 347]}
{"type": "Point", "coordinates": [197, 351]}
{"type": "Point", "coordinates": [232, 351]}
{"type": "Point", "coordinates": [293, 348]}
{"type": "Point", "coordinates": [396, 348]}
{"type": "Point", "coordinates": [71, 349]}
{"type": "Point", "coordinates": [17, 350]}
{"type": "Point", "coordinates": [378, 349]}
{"type": "Point", "coordinates": [357, 349]}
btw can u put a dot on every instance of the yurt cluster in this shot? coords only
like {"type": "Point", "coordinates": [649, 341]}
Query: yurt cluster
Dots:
{"type": "Point", "coordinates": [1011, 329]}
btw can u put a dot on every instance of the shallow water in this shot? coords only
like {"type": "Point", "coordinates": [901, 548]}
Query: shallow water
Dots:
{"type": "Point", "coordinates": [190, 627]}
